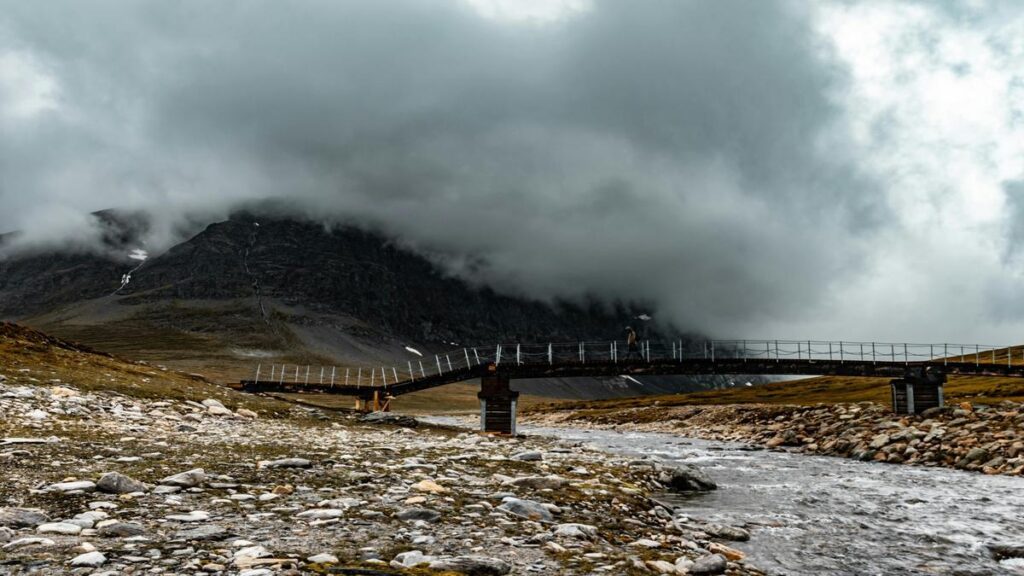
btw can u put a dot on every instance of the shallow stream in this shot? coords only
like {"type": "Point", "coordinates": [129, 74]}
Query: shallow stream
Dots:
{"type": "Point", "coordinates": [821, 515]}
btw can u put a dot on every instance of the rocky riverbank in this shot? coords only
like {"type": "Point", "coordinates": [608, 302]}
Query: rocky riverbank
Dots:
{"type": "Point", "coordinates": [103, 483]}
{"type": "Point", "coordinates": [988, 439]}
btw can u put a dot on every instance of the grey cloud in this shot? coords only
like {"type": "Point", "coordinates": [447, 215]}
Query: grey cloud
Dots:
{"type": "Point", "coordinates": [684, 153]}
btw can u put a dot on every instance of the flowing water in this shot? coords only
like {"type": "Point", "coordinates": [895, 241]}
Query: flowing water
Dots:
{"type": "Point", "coordinates": [819, 515]}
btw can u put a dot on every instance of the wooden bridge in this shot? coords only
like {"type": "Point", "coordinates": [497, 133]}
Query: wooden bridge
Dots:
{"type": "Point", "coordinates": [918, 371]}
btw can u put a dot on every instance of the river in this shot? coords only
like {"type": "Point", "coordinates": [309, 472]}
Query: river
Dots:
{"type": "Point", "coordinates": [815, 515]}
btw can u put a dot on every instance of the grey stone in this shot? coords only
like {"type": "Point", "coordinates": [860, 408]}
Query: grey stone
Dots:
{"type": "Point", "coordinates": [578, 531]}
{"type": "Point", "coordinates": [29, 541]}
{"type": "Point", "coordinates": [526, 509]}
{"type": "Point", "coordinates": [210, 533]}
{"type": "Point", "coordinates": [709, 565]}
{"type": "Point", "coordinates": [59, 528]}
{"type": "Point", "coordinates": [387, 418]}
{"type": "Point", "coordinates": [287, 463]}
{"type": "Point", "coordinates": [531, 456]}
{"type": "Point", "coordinates": [117, 483]}
{"type": "Point", "coordinates": [121, 530]}
{"type": "Point", "coordinates": [724, 532]}
{"type": "Point", "coordinates": [188, 479]}
{"type": "Point", "coordinates": [1006, 551]}
{"type": "Point", "coordinates": [540, 482]}
{"type": "Point", "coordinates": [91, 559]}
{"type": "Point", "coordinates": [473, 565]}
{"type": "Point", "coordinates": [424, 514]}
{"type": "Point", "coordinates": [410, 559]}
{"type": "Point", "coordinates": [688, 478]}
{"type": "Point", "coordinates": [22, 517]}
{"type": "Point", "coordinates": [78, 486]}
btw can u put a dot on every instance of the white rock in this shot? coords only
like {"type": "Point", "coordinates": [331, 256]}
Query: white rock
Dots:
{"type": "Point", "coordinates": [193, 516]}
{"type": "Point", "coordinates": [321, 514]}
{"type": "Point", "coordinates": [578, 531]}
{"type": "Point", "coordinates": [410, 559]}
{"type": "Point", "coordinates": [31, 541]}
{"type": "Point", "coordinates": [89, 559]}
{"type": "Point", "coordinates": [323, 559]}
{"type": "Point", "coordinates": [38, 415]}
{"type": "Point", "coordinates": [219, 411]}
{"type": "Point", "coordinates": [59, 528]}
{"type": "Point", "coordinates": [187, 479]}
{"type": "Point", "coordinates": [81, 485]}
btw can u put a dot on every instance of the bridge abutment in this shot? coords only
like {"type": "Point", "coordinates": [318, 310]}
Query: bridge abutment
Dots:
{"type": "Point", "coordinates": [497, 404]}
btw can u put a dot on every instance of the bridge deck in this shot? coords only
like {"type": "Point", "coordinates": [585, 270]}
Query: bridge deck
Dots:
{"type": "Point", "coordinates": [656, 366]}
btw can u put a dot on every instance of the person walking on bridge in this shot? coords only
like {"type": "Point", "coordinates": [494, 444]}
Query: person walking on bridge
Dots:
{"type": "Point", "coordinates": [631, 345]}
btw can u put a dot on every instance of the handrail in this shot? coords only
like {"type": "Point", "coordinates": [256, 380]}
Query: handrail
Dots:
{"type": "Point", "coordinates": [467, 359]}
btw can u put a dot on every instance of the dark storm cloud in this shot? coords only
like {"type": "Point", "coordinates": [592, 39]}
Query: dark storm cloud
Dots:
{"type": "Point", "coordinates": [684, 153]}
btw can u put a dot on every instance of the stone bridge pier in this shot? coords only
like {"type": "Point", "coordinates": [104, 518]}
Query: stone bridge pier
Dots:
{"type": "Point", "coordinates": [497, 403]}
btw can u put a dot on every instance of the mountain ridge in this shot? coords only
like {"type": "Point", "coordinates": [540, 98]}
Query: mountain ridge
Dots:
{"type": "Point", "coordinates": [257, 288]}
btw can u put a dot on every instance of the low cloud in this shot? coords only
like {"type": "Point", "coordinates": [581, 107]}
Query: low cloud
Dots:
{"type": "Point", "coordinates": [735, 163]}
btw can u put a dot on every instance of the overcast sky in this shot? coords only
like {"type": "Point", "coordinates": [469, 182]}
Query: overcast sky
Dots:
{"type": "Point", "coordinates": [839, 170]}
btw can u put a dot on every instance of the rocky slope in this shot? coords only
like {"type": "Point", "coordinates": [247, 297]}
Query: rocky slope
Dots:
{"type": "Point", "coordinates": [988, 439]}
{"type": "Point", "coordinates": [104, 483]}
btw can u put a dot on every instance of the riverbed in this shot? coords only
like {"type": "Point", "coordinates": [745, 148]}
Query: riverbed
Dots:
{"type": "Point", "coordinates": [813, 515]}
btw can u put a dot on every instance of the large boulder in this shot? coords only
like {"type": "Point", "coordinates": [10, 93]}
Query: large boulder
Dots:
{"type": "Point", "coordinates": [526, 509]}
{"type": "Point", "coordinates": [687, 478]}
{"type": "Point", "coordinates": [709, 565]}
{"type": "Point", "coordinates": [117, 483]}
{"type": "Point", "coordinates": [22, 517]}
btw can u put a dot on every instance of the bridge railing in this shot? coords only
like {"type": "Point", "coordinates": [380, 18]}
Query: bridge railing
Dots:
{"type": "Point", "coordinates": [419, 367]}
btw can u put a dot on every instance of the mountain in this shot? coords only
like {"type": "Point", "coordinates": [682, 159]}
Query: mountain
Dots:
{"type": "Point", "coordinates": [271, 290]}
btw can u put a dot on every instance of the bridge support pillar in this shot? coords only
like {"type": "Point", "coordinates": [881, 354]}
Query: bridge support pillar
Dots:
{"type": "Point", "coordinates": [915, 393]}
{"type": "Point", "coordinates": [497, 405]}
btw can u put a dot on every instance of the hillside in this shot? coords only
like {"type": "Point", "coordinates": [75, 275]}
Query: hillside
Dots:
{"type": "Point", "coordinates": [30, 357]}
{"type": "Point", "coordinates": [269, 290]}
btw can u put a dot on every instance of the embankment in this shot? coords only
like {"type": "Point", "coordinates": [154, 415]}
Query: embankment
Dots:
{"type": "Point", "coordinates": [988, 439]}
